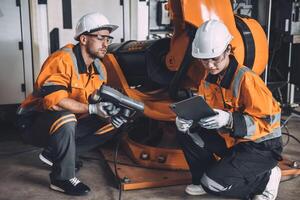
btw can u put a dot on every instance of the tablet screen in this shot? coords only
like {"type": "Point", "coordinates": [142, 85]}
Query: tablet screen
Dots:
{"type": "Point", "coordinates": [193, 108]}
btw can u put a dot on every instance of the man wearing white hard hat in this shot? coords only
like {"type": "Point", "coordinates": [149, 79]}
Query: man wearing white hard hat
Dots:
{"type": "Point", "coordinates": [58, 115]}
{"type": "Point", "coordinates": [235, 152]}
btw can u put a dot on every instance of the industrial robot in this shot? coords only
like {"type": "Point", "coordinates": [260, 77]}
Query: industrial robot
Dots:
{"type": "Point", "coordinates": [162, 71]}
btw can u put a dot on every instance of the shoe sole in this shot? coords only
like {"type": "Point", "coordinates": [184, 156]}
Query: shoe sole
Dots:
{"type": "Point", "coordinates": [53, 187]}
{"type": "Point", "coordinates": [194, 193]}
{"type": "Point", "coordinates": [45, 160]}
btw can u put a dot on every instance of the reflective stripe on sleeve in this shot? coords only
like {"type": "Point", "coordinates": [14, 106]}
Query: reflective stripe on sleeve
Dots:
{"type": "Point", "coordinates": [275, 133]}
{"type": "Point", "coordinates": [272, 119]}
{"type": "Point", "coordinates": [250, 126]}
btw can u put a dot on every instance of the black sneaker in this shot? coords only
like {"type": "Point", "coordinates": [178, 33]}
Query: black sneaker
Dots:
{"type": "Point", "coordinates": [71, 187]}
{"type": "Point", "coordinates": [45, 157]}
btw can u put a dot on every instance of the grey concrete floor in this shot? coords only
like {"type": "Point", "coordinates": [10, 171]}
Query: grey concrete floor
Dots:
{"type": "Point", "coordinates": [23, 176]}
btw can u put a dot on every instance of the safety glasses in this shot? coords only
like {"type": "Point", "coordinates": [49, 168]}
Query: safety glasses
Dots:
{"type": "Point", "coordinates": [103, 38]}
{"type": "Point", "coordinates": [215, 61]}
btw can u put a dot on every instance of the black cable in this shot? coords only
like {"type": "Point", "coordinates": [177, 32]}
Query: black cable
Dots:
{"type": "Point", "coordinates": [288, 135]}
{"type": "Point", "coordinates": [115, 165]}
{"type": "Point", "coordinates": [126, 128]}
{"type": "Point", "coordinates": [295, 138]}
{"type": "Point", "coordinates": [118, 179]}
{"type": "Point", "coordinates": [292, 136]}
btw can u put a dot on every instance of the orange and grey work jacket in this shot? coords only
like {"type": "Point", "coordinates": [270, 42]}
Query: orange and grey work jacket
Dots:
{"type": "Point", "coordinates": [256, 114]}
{"type": "Point", "coordinates": [65, 75]}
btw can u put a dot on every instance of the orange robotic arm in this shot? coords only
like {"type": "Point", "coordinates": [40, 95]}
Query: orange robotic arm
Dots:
{"type": "Point", "coordinates": [126, 61]}
{"type": "Point", "coordinates": [250, 42]}
{"type": "Point", "coordinates": [129, 66]}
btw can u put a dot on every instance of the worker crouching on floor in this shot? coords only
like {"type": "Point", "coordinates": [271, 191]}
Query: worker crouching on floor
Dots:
{"type": "Point", "coordinates": [58, 116]}
{"type": "Point", "coordinates": [234, 153]}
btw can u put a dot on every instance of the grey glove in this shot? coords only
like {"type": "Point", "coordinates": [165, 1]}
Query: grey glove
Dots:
{"type": "Point", "coordinates": [103, 109]}
{"type": "Point", "coordinates": [183, 125]}
{"type": "Point", "coordinates": [118, 121]}
{"type": "Point", "coordinates": [222, 119]}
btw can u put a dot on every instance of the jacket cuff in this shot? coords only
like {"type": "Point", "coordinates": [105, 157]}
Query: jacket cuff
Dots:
{"type": "Point", "coordinates": [54, 98]}
{"type": "Point", "coordinates": [239, 125]}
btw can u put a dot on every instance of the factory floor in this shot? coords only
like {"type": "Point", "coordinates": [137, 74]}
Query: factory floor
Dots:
{"type": "Point", "coordinates": [23, 176]}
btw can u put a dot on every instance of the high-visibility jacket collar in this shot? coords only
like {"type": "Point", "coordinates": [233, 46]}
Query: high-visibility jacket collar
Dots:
{"type": "Point", "coordinates": [82, 68]}
{"type": "Point", "coordinates": [228, 76]}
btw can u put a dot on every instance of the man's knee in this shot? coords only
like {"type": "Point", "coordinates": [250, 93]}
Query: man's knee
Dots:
{"type": "Point", "coordinates": [65, 124]}
{"type": "Point", "coordinates": [66, 130]}
{"type": "Point", "coordinates": [64, 136]}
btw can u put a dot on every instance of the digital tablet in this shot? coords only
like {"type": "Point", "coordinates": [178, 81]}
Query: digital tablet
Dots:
{"type": "Point", "coordinates": [194, 108]}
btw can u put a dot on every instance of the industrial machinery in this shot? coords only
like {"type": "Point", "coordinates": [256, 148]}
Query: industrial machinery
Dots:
{"type": "Point", "coordinates": [160, 72]}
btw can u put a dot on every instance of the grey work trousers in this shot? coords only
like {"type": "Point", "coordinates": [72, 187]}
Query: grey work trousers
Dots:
{"type": "Point", "coordinates": [69, 140]}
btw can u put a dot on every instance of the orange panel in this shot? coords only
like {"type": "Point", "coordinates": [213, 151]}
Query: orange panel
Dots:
{"type": "Point", "coordinates": [198, 11]}
{"type": "Point", "coordinates": [261, 45]}
{"type": "Point", "coordinates": [195, 12]}
{"type": "Point", "coordinates": [141, 177]}
{"type": "Point", "coordinates": [177, 51]}
{"type": "Point", "coordinates": [179, 40]}
{"type": "Point", "coordinates": [173, 158]}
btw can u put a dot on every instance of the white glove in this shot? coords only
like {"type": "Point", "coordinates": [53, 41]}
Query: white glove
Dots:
{"type": "Point", "coordinates": [103, 109]}
{"type": "Point", "coordinates": [183, 125]}
{"type": "Point", "coordinates": [118, 121]}
{"type": "Point", "coordinates": [220, 120]}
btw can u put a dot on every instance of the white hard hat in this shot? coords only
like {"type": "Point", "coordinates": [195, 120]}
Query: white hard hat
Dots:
{"type": "Point", "coordinates": [93, 22]}
{"type": "Point", "coordinates": [211, 40]}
